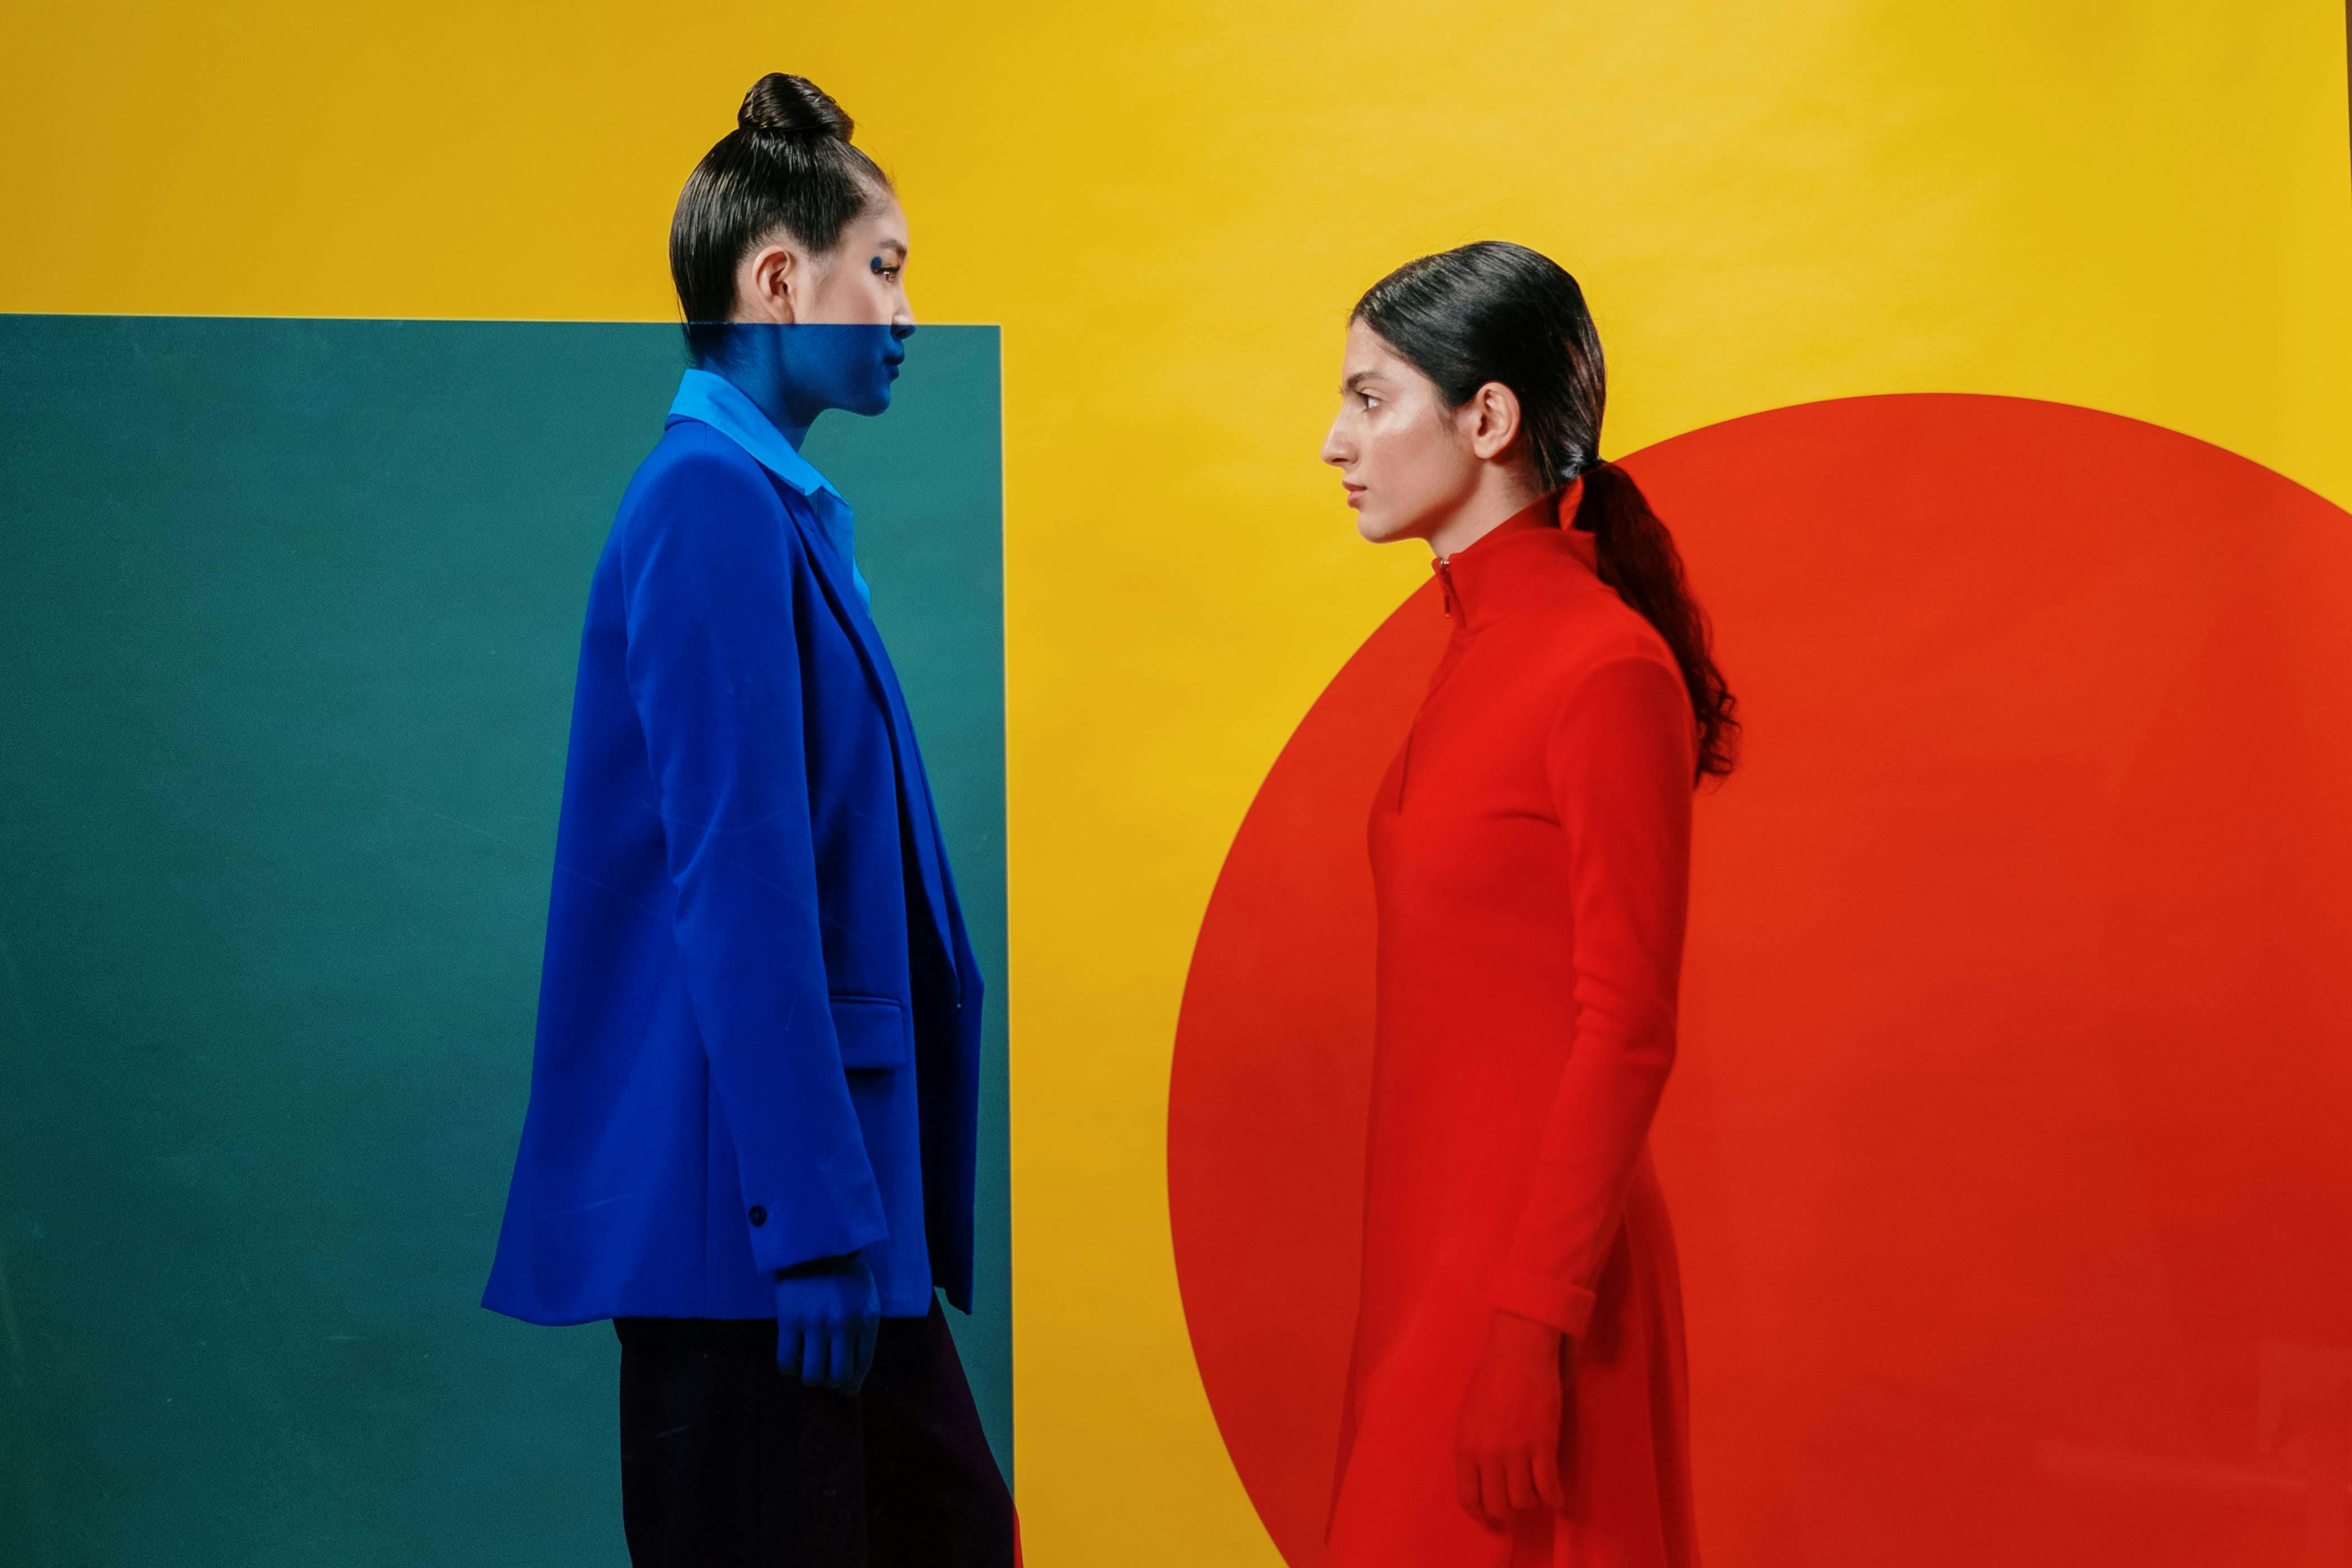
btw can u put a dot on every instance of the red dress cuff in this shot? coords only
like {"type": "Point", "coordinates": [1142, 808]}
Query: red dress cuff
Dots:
{"type": "Point", "coordinates": [1565, 1307]}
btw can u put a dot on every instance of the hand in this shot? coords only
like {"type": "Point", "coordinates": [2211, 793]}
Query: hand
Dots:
{"type": "Point", "coordinates": [1506, 1442]}
{"type": "Point", "coordinates": [828, 1315]}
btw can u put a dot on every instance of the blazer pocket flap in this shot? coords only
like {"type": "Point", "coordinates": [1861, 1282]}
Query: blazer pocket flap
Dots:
{"type": "Point", "coordinates": [872, 1031]}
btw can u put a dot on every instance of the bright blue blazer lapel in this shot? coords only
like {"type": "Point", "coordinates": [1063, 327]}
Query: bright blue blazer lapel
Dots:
{"type": "Point", "coordinates": [922, 822]}
{"type": "Point", "coordinates": [717, 402]}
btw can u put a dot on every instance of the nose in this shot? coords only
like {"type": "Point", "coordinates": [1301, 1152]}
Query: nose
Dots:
{"type": "Point", "coordinates": [903, 327]}
{"type": "Point", "coordinates": [1335, 452]}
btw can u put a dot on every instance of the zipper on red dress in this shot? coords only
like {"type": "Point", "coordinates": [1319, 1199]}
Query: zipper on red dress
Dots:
{"type": "Point", "coordinates": [1445, 569]}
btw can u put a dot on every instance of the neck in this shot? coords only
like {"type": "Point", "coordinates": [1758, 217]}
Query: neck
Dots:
{"type": "Point", "coordinates": [1499, 495]}
{"type": "Point", "coordinates": [757, 363]}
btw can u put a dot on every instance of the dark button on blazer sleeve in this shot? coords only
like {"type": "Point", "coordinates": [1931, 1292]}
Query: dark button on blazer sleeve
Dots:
{"type": "Point", "coordinates": [709, 569]}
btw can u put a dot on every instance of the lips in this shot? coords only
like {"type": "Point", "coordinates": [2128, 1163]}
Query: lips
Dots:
{"type": "Point", "coordinates": [1355, 493]}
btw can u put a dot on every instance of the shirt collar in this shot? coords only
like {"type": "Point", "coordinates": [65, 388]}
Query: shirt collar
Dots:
{"type": "Point", "coordinates": [1488, 576]}
{"type": "Point", "coordinates": [719, 403]}
{"type": "Point", "coordinates": [715, 401]}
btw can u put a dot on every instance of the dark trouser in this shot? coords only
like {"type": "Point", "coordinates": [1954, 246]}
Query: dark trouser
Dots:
{"type": "Point", "coordinates": [725, 1461]}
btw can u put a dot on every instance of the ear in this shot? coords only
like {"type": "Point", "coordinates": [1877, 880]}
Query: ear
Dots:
{"type": "Point", "coordinates": [1491, 420]}
{"type": "Point", "coordinates": [768, 283]}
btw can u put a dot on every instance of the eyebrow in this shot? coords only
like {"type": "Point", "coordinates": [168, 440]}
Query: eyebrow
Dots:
{"type": "Point", "coordinates": [1357, 382]}
{"type": "Point", "coordinates": [898, 246]}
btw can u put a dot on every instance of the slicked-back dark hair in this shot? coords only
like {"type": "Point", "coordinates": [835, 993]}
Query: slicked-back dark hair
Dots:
{"type": "Point", "coordinates": [1496, 311]}
{"type": "Point", "coordinates": [787, 164]}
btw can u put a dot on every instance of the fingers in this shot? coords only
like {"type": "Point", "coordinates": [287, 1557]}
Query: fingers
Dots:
{"type": "Point", "coordinates": [1519, 1480]}
{"type": "Point", "coordinates": [1495, 1492]}
{"type": "Point", "coordinates": [830, 1355]}
{"type": "Point", "coordinates": [1492, 1487]}
{"type": "Point", "coordinates": [1550, 1488]}
{"type": "Point", "coordinates": [841, 1346]}
{"type": "Point", "coordinates": [868, 1332]}
{"type": "Point", "coordinates": [1465, 1488]}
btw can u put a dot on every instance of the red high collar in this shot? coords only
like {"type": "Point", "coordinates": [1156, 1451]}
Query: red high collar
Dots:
{"type": "Point", "coordinates": [1488, 577]}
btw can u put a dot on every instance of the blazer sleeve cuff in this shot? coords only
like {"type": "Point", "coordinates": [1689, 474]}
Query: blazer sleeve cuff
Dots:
{"type": "Point", "coordinates": [1568, 1307]}
{"type": "Point", "coordinates": [785, 1233]}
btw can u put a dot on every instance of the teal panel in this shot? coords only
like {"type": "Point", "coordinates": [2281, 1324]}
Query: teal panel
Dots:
{"type": "Point", "coordinates": [288, 613]}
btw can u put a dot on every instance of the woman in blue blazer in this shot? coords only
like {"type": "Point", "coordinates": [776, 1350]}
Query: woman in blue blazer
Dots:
{"type": "Point", "coordinates": [751, 1126]}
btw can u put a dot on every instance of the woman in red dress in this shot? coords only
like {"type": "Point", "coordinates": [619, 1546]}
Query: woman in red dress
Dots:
{"type": "Point", "coordinates": [1518, 1393]}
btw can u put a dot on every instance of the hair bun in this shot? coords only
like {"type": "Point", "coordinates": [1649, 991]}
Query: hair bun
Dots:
{"type": "Point", "coordinates": [780, 105]}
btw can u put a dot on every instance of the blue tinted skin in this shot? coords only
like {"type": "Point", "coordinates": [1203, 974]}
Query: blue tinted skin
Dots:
{"type": "Point", "coordinates": [795, 372]}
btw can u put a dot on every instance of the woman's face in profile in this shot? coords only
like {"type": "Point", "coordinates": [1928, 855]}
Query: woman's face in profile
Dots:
{"type": "Point", "coordinates": [843, 315]}
{"type": "Point", "coordinates": [862, 280]}
{"type": "Point", "coordinates": [1400, 450]}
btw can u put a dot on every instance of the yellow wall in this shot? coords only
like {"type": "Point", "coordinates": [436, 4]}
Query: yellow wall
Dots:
{"type": "Point", "coordinates": [2146, 208]}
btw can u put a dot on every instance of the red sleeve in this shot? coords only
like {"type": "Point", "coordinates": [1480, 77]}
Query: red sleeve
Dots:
{"type": "Point", "coordinates": [1621, 758]}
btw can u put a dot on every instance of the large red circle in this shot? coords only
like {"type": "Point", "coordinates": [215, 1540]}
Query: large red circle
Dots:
{"type": "Point", "coordinates": [2008, 1148]}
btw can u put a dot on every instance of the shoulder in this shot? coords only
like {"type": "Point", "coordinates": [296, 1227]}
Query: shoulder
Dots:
{"type": "Point", "coordinates": [694, 462]}
{"type": "Point", "coordinates": [1604, 668]}
{"type": "Point", "coordinates": [1585, 629]}
{"type": "Point", "coordinates": [1618, 640]}
{"type": "Point", "coordinates": [698, 484]}
{"type": "Point", "coordinates": [1625, 697]}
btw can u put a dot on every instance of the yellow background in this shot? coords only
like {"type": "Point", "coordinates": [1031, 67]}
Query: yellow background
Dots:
{"type": "Point", "coordinates": [2141, 208]}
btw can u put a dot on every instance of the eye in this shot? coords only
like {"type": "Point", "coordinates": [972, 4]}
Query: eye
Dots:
{"type": "Point", "coordinates": [1370, 402]}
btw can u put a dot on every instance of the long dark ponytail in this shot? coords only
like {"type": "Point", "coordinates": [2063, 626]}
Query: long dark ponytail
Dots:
{"type": "Point", "coordinates": [1500, 313]}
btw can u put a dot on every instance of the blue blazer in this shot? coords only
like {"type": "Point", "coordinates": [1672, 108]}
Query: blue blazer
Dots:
{"type": "Point", "coordinates": [759, 1015]}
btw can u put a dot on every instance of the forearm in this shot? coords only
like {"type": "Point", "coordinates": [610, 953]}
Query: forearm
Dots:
{"type": "Point", "coordinates": [1620, 757]}
{"type": "Point", "coordinates": [1591, 1146]}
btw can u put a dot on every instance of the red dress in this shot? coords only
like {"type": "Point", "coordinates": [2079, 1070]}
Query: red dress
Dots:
{"type": "Point", "coordinates": [1530, 851]}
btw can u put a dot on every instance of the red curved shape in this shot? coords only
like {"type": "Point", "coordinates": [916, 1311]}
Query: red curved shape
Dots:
{"type": "Point", "coordinates": [2010, 1145]}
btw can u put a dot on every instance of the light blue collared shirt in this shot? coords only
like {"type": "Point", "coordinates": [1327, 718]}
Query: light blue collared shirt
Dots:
{"type": "Point", "coordinates": [719, 403]}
